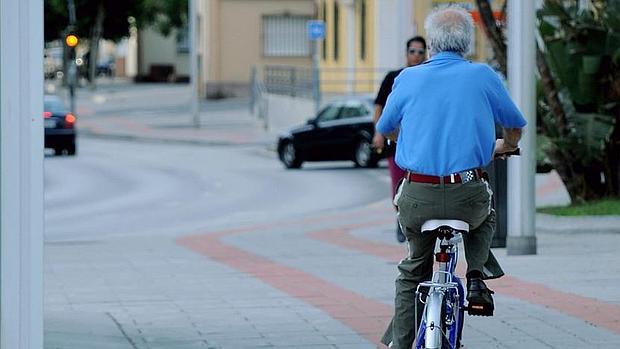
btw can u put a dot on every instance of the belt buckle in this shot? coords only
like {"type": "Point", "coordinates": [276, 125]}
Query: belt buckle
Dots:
{"type": "Point", "coordinates": [467, 176]}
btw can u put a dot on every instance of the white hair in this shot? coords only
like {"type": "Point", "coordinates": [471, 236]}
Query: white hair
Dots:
{"type": "Point", "coordinates": [449, 29]}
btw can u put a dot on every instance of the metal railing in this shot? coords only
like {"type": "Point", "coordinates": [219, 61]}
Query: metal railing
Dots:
{"type": "Point", "coordinates": [298, 81]}
{"type": "Point", "coordinates": [289, 81]}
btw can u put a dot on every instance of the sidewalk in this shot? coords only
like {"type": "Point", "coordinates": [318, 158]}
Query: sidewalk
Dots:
{"type": "Point", "coordinates": [323, 282]}
{"type": "Point", "coordinates": [110, 112]}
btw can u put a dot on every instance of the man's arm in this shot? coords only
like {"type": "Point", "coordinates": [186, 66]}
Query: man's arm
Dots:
{"type": "Point", "coordinates": [390, 117]}
{"type": "Point", "coordinates": [378, 140]}
{"type": "Point", "coordinates": [512, 136]}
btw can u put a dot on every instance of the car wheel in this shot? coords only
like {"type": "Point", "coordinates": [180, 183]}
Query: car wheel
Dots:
{"type": "Point", "coordinates": [364, 155]}
{"type": "Point", "coordinates": [289, 157]}
{"type": "Point", "coordinates": [71, 150]}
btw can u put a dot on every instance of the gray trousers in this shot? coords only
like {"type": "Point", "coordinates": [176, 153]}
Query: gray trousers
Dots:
{"type": "Point", "coordinates": [417, 203]}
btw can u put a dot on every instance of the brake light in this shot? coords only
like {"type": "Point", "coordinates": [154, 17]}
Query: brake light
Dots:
{"type": "Point", "coordinates": [70, 118]}
{"type": "Point", "coordinates": [442, 257]}
{"type": "Point", "coordinates": [47, 114]}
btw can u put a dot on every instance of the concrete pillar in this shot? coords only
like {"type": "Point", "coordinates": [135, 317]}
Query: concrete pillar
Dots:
{"type": "Point", "coordinates": [522, 169]}
{"type": "Point", "coordinates": [21, 174]}
{"type": "Point", "coordinates": [349, 8]}
{"type": "Point", "coordinates": [193, 63]}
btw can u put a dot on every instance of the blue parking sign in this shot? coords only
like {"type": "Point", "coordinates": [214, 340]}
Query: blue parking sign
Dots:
{"type": "Point", "coordinates": [316, 30]}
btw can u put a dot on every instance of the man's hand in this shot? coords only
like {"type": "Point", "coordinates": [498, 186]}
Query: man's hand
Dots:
{"type": "Point", "coordinates": [378, 142]}
{"type": "Point", "coordinates": [510, 142]}
{"type": "Point", "coordinates": [501, 147]}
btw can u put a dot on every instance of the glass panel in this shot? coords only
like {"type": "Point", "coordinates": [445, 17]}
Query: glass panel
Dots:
{"type": "Point", "coordinates": [330, 113]}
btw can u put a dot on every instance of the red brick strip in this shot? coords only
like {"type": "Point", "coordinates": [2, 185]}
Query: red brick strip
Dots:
{"type": "Point", "coordinates": [598, 313]}
{"type": "Point", "coordinates": [365, 316]}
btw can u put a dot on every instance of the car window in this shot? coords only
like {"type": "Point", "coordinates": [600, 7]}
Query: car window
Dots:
{"type": "Point", "coordinates": [53, 105]}
{"type": "Point", "coordinates": [353, 111]}
{"type": "Point", "coordinates": [330, 113]}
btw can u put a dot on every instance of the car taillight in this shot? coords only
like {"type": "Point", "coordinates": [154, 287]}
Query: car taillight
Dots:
{"type": "Point", "coordinates": [47, 114]}
{"type": "Point", "coordinates": [70, 118]}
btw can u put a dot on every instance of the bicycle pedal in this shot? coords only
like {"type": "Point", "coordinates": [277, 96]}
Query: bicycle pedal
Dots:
{"type": "Point", "coordinates": [480, 309]}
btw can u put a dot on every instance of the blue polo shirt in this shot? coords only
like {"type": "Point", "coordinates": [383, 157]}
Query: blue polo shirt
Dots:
{"type": "Point", "coordinates": [447, 109]}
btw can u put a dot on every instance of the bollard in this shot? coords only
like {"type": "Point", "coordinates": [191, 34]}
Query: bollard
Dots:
{"type": "Point", "coordinates": [498, 178]}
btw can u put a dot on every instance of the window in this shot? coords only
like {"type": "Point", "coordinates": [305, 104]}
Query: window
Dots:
{"type": "Point", "coordinates": [182, 40]}
{"type": "Point", "coordinates": [336, 29]}
{"type": "Point", "coordinates": [285, 36]}
{"type": "Point", "coordinates": [353, 110]}
{"type": "Point", "coordinates": [330, 113]}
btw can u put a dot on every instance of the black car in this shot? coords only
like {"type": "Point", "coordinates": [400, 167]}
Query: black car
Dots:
{"type": "Point", "coordinates": [59, 126]}
{"type": "Point", "coordinates": [343, 130]}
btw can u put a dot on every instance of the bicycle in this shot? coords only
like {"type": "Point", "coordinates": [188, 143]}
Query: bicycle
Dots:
{"type": "Point", "coordinates": [444, 309]}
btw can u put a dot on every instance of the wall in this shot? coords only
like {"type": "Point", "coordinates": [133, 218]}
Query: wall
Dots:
{"type": "Point", "coordinates": [157, 49]}
{"type": "Point", "coordinates": [234, 38]}
{"type": "Point", "coordinates": [284, 112]}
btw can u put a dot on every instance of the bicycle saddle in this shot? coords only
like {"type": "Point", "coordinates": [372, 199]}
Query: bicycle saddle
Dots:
{"type": "Point", "coordinates": [445, 226]}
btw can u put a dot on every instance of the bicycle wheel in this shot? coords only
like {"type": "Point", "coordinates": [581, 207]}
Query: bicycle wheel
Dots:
{"type": "Point", "coordinates": [433, 336]}
{"type": "Point", "coordinates": [436, 336]}
{"type": "Point", "coordinates": [460, 329]}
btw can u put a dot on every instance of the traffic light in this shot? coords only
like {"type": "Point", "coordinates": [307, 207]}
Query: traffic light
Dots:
{"type": "Point", "coordinates": [71, 40]}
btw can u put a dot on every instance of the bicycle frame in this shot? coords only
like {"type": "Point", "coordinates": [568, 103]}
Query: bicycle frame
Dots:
{"type": "Point", "coordinates": [443, 311]}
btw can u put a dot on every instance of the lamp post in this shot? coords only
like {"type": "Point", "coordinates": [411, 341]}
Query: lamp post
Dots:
{"type": "Point", "coordinates": [521, 238]}
{"type": "Point", "coordinates": [193, 57]}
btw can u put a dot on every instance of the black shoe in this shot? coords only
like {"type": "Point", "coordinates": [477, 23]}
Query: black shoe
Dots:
{"type": "Point", "coordinates": [480, 301]}
{"type": "Point", "coordinates": [399, 234]}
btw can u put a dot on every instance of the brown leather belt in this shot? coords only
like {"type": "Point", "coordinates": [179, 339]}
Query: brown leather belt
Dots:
{"type": "Point", "coordinates": [460, 177]}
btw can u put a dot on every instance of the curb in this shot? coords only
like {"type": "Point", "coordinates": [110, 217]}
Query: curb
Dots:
{"type": "Point", "coordinates": [136, 138]}
{"type": "Point", "coordinates": [547, 223]}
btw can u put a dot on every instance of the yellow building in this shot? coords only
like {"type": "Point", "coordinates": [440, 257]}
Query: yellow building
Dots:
{"type": "Point", "coordinates": [366, 38]}
{"type": "Point", "coordinates": [238, 35]}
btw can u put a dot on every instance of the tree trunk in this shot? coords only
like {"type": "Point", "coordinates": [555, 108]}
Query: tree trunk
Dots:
{"type": "Point", "coordinates": [550, 91]}
{"type": "Point", "coordinates": [562, 160]}
{"type": "Point", "coordinates": [94, 45]}
{"type": "Point", "coordinates": [494, 33]}
{"type": "Point", "coordinates": [612, 174]}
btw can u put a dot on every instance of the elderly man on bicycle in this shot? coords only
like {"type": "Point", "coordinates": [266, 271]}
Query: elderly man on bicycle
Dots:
{"type": "Point", "coordinates": [446, 110]}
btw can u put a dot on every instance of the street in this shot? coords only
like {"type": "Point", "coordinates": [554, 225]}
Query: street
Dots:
{"type": "Point", "coordinates": [118, 188]}
{"type": "Point", "coordinates": [204, 241]}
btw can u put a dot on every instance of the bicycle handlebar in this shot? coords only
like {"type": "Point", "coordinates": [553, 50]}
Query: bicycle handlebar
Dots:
{"type": "Point", "coordinates": [507, 154]}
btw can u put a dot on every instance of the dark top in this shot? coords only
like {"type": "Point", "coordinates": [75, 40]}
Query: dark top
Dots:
{"type": "Point", "coordinates": [386, 87]}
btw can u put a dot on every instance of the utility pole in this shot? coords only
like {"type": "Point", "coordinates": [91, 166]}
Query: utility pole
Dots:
{"type": "Point", "coordinates": [21, 179]}
{"type": "Point", "coordinates": [521, 238]}
{"type": "Point", "coordinates": [193, 56]}
{"type": "Point", "coordinates": [71, 41]}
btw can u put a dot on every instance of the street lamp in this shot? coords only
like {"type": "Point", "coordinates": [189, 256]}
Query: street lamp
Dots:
{"type": "Point", "coordinates": [521, 238]}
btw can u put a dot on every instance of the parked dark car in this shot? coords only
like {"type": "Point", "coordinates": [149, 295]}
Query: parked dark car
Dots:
{"type": "Point", "coordinates": [342, 130]}
{"type": "Point", "coordinates": [59, 126]}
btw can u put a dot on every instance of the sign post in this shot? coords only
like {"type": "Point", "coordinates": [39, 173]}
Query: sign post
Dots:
{"type": "Point", "coordinates": [316, 33]}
